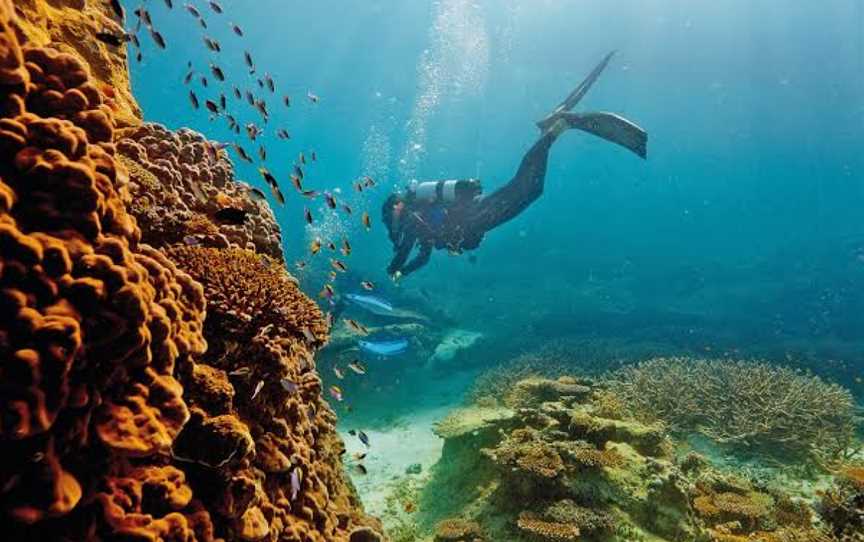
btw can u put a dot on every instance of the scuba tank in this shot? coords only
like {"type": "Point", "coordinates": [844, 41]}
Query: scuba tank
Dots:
{"type": "Point", "coordinates": [449, 191]}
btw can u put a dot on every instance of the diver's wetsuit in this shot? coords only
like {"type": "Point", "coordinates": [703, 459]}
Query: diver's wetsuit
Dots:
{"type": "Point", "coordinates": [460, 224]}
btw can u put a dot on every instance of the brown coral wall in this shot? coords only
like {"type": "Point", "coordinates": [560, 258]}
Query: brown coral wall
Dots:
{"type": "Point", "coordinates": [116, 420]}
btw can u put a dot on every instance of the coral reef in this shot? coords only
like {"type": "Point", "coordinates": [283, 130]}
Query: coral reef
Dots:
{"type": "Point", "coordinates": [179, 181]}
{"type": "Point", "coordinates": [93, 323]}
{"type": "Point", "coordinates": [755, 406]}
{"type": "Point", "coordinates": [458, 530]}
{"type": "Point", "coordinates": [69, 27]}
{"type": "Point", "coordinates": [551, 466]}
{"type": "Point", "coordinates": [119, 420]}
{"type": "Point", "coordinates": [842, 506]}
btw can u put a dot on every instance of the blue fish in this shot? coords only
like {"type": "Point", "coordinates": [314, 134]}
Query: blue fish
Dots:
{"type": "Point", "coordinates": [373, 304]}
{"type": "Point", "coordinates": [385, 348]}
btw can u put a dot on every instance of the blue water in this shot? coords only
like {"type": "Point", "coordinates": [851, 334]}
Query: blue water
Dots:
{"type": "Point", "coordinates": [740, 234]}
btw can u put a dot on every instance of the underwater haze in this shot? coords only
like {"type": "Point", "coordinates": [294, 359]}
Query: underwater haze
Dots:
{"type": "Point", "coordinates": [739, 237]}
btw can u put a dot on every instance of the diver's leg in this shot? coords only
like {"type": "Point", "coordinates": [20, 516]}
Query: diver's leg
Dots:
{"type": "Point", "coordinates": [522, 190]}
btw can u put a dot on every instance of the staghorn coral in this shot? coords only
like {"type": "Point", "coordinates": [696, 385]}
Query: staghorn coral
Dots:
{"type": "Point", "coordinates": [92, 324]}
{"type": "Point", "coordinates": [68, 27]}
{"type": "Point", "coordinates": [762, 407]}
{"type": "Point", "coordinates": [179, 180]}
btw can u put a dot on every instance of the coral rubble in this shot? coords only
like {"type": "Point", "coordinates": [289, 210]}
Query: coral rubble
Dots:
{"type": "Point", "coordinates": [119, 419]}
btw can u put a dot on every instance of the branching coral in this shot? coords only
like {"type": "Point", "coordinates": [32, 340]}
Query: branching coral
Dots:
{"type": "Point", "coordinates": [92, 324]}
{"type": "Point", "coordinates": [179, 180]}
{"type": "Point", "coordinates": [772, 409]}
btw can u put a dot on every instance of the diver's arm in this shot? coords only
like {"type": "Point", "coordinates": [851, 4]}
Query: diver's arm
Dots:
{"type": "Point", "coordinates": [421, 259]}
{"type": "Point", "coordinates": [403, 250]}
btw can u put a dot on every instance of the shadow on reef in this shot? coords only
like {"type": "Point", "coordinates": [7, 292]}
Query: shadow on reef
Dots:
{"type": "Point", "coordinates": [164, 392]}
{"type": "Point", "coordinates": [571, 459]}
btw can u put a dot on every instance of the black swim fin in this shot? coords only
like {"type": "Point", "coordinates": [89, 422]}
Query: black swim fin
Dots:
{"type": "Point", "coordinates": [578, 93]}
{"type": "Point", "coordinates": [610, 127]}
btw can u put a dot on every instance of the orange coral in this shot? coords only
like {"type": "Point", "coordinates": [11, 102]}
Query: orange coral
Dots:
{"type": "Point", "coordinates": [458, 530]}
{"type": "Point", "coordinates": [91, 323]}
{"type": "Point", "coordinates": [180, 177]}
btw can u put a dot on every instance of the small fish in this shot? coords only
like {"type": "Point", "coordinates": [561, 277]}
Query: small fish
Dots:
{"type": "Point", "coordinates": [262, 153]}
{"type": "Point", "coordinates": [314, 156]}
{"type": "Point", "coordinates": [250, 98]}
{"type": "Point", "coordinates": [277, 193]}
{"type": "Point", "coordinates": [158, 39]}
{"type": "Point", "coordinates": [258, 387]}
{"type": "Point", "coordinates": [311, 194]}
{"type": "Point", "coordinates": [295, 483]}
{"type": "Point", "coordinates": [302, 158]}
{"type": "Point", "coordinates": [361, 469]}
{"type": "Point", "coordinates": [367, 285]}
{"type": "Point", "coordinates": [352, 432]}
{"type": "Point", "coordinates": [332, 276]}
{"type": "Point", "coordinates": [286, 100]}
{"type": "Point", "coordinates": [298, 171]}
{"type": "Point", "coordinates": [191, 9]}
{"type": "Point", "coordinates": [271, 85]}
{"type": "Point", "coordinates": [111, 39]}
{"type": "Point", "coordinates": [170, 4]}
{"type": "Point", "coordinates": [347, 209]}
{"type": "Point", "coordinates": [370, 182]}
{"type": "Point", "coordinates": [315, 246]}
{"type": "Point", "coordinates": [212, 106]}
{"type": "Point", "coordinates": [358, 456]}
{"type": "Point", "coordinates": [241, 371]}
{"type": "Point", "coordinates": [237, 93]}
{"type": "Point", "coordinates": [237, 30]}
{"type": "Point", "coordinates": [134, 39]}
{"type": "Point", "coordinates": [223, 102]}
{"type": "Point", "coordinates": [217, 72]}
{"type": "Point", "coordinates": [331, 201]}
{"type": "Point", "coordinates": [367, 222]}
{"type": "Point", "coordinates": [295, 180]}
{"type": "Point", "coordinates": [118, 9]}
{"type": "Point", "coordinates": [241, 152]}
{"type": "Point", "coordinates": [327, 292]}
{"type": "Point", "coordinates": [313, 98]}
{"type": "Point", "coordinates": [215, 6]}
{"type": "Point", "coordinates": [338, 372]}
{"type": "Point", "coordinates": [358, 187]}
{"type": "Point", "coordinates": [231, 215]}
{"type": "Point", "coordinates": [336, 393]}
{"type": "Point", "coordinates": [257, 194]}
{"type": "Point", "coordinates": [212, 44]}
{"type": "Point", "coordinates": [357, 326]}
{"type": "Point", "coordinates": [307, 334]}
{"type": "Point", "coordinates": [331, 245]}
{"type": "Point", "coordinates": [346, 247]}
{"type": "Point", "coordinates": [188, 78]}
{"type": "Point", "coordinates": [144, 15]}
{"type": "Point", "coordinates": [357, 367]}
{"type": "Point", "coordinates": [289, 386]}
{"type": "Point", "coordinates": [260, 83]}
{"type": "Point", "coordinates": [261, 106]}
{"type": "Point", "coordinates": [363, 438]}
{"type": "Point", "coordinates": [139, 57]}
{"type": "Point", "coordinates": [282, 133]}
{"type": "Point", "coordinates": [300, 265]}
{"type": "Point", "coordinates": [252, 131]}
{"type": "Point", "coordinates": [194, 99]}
{"type": "Point", "coordinates": [339, 266]}
{"type": "Point", "coordinates": [247, 56]}
{"type": "Point", "coordinates": [308, 215]}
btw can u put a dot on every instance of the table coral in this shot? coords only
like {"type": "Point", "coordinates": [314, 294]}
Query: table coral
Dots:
{"type": "Point", "coordinates": [458, 530]}
{"type": "Point", "coordinates": [540, 529]}
{"type": "Point", "coordinates": [179, 180]}
{"type": "Point", "coordinates": [92, 324]}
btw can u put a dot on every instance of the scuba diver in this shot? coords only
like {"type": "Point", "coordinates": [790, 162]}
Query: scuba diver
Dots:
{"type": "Point", "coordinates": [454, 214]}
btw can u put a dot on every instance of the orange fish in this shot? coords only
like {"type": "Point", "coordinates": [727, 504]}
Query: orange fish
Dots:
{"type": "Point", "coordinates": [367, 222]}
{"type": "Point", "coordinates": [315, 246]}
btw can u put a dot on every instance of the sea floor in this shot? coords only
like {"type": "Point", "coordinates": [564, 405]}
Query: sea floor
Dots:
{"type": "Point", "coordinates": [400, 425]}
